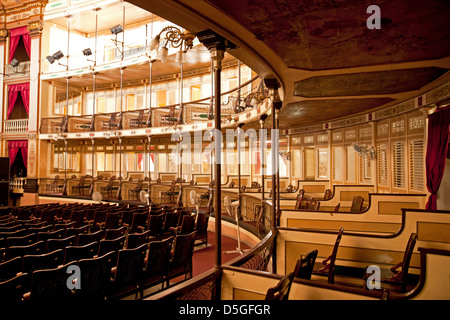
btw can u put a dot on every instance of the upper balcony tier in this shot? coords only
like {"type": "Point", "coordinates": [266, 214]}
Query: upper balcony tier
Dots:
{"type": "Point", "coordinates": [191, 116]}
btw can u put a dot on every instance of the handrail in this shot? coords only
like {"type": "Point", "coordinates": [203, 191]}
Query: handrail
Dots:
{"type": "Point", "coordinates": [165, 107]}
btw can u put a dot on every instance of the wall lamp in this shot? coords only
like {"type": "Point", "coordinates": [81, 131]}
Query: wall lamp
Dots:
{"type": "Point", "coordinates": [175, 38]}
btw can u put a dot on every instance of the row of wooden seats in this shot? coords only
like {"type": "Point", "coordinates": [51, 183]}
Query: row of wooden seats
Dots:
{"type": "Point", "coordinates": [156, 224]}
{"type": "Point", "coordinates": [308, 203]}
{"type": "Point", "coordinates": [390, 279]}
{"type": "Point", "coordinates": [104, 275]}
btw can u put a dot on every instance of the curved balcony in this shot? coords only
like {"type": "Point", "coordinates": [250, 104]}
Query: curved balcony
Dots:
{"type": "Point", "coordinates": [190, 116]}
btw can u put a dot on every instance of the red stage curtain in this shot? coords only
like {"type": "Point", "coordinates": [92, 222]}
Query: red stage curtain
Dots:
{"type": "Point", "coordinates": [13, 91]}
{"type": "Point", "coordinates": [14, 37]}
{"type": "Point", "coordinates": [13, 148]}
{"type": "Point", "coordinates": [437, 144]}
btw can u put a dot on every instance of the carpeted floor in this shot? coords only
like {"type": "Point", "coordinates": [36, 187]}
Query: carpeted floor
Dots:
{"type": "Point", "coordinates": [204, 257]}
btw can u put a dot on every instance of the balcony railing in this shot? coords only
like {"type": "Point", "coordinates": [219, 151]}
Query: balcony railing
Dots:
{"type": "Point", "coordinates": [188, 113]}
{"type": "Point", "coordinates": [17, 185]}
{"type": "Point", "coordinates": [22, 70]}
{"type": "Point", "coordinates": [15, 126]}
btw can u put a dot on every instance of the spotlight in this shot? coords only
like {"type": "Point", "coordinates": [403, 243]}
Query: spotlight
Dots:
{"type": "Point", "coordinates": [116, 29]}
{"type": "Point", "coordinates": [50, 59]}
{"type": "Point", "coordinates": [87, 52]}
{"type": "Point", "coordinates": [58, 55]}
{"type": "Point", "coordinates": [14, 63]}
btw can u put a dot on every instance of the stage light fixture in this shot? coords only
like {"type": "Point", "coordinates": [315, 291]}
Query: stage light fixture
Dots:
{"type": "Point", "coordinates": [116, 29]}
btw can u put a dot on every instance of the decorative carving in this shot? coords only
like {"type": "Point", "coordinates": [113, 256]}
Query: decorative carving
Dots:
{"type": "Point", "coordinates": [35, 27]}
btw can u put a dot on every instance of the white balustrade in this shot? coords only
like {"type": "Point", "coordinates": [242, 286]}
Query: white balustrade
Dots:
{"type": "Point", "coordinates": [15, 126]}
{"type": "Point", "coordinates": [17, 185]}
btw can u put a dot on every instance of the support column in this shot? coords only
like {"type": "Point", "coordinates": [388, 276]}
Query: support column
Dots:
{"type": "Point", "coordinates": [31, 188]}
{"type": "Point", "coordinates": [217, 55]}
{"type": "Point", "coordinates": [3, 37]}
{"type": "Point", "coordinates": [216, 46]}
{"type": "Point", "coordinates": [272, 85]}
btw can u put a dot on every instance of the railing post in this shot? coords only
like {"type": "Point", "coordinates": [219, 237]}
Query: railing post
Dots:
{"type": "Point", "coordinates": [217, 46]}
{"type": "Point", "coordinates": [272, 85]}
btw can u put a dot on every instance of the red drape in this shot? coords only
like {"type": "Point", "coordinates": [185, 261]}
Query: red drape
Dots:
{"type": "Point", "coordinates": [437, 144]}
{"type": "Point", "coordinates": [14, 37]}
{"type": "Point", "coordinates": [13, 148]}
{"type": "Point", "coordinates": [13, 91]}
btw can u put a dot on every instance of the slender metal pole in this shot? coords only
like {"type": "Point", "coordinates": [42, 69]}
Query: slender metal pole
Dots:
{"type": "Point", "coordinates": [91, 189]}
{"type": "Point", "coordinates": [65, 168]}
{"type": "Point", "coordinates": [149, 118]}
{"type": "Point", "coordinates": [263, 156]}
{"type": "Point", "coordinates": [180, 117]}
{"type": "Point", "coordinates": [149, 157]}
{"type": "Point", "coordinates": [274, 175]}
{"type": "Point", "coordinates": [277, 157]}
{"type": "Point", "coordinates": [217, 56]}
{"type": "Point", "coordinates": [119, 191]}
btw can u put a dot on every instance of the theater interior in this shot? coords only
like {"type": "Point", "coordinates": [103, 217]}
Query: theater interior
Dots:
{"type": "Point", "coordinates": [224, 150]}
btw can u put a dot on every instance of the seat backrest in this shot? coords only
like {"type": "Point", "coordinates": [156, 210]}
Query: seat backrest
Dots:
{"type": "Point", "coordinates": [183, 250]}
{"type": "Point", "coordinates": [336, 208]}
{"type": "Point", "coordinates": [111, 245]}
{"type": "Point", "coordinates": [407, 259]}
{"type": "Point", "coordinates": [49, 260]}
{"type": "Point", "coordinates": [21, 241]}
{"type": "Point", "coordinates": [86, 238]}
{"type": "Point", "coordinates": [281, 290]}
{"type": "Point", "coordinates": [112, 220]}
{"type": "Point", "coordinates": [155, 224]}
{"type": "Point", "coordinates": [139, 220]}
{"type": "Point", "coordinates": [334, 255]}
{"type": "Point", "coordinates": [187, 224]}
{"type": "Point", "coordinates": [305, 264]}
{"type": "Point", "coordinates": [35, 248]}
{"type": "Point", "coordinates": [111, 234]}
{"type": "Point", "coordinates": [9, 268]}
{"type": "Point", "coordinates": [55, 244]}
{"type": "Point", "coordinates": [171, 220]}
{"type": "Point", "coordinates": [135, 240]}
{"type": "Point", "coordinates": [58, 234]}
{"type": "Point", "coordinates": [159, 256]}
{"type": "Point", "coordinates": [127, 216]}
{"type": "Point", "coordinates": [75, 253]}
{"type": "Point", "coordinates": [201, 225]}
{"type": "Point", "coordinates": [76, 231]}
{"type": "Point", "coordinates": [50, 285]}
{"type": "Point", "coordinates": [95, 276]}
{"type": "Point", "coordinates": [298, 201]}
{"type": "Point", "coordinates": [327, 194]}
{"type": "Point", "coordinates": [313, 205]}
{"type": "Point", "coordinates": [357, 204]}
{"type": "Point", "coordinates": [301, 192]}
{"type": "Point", "coordinates": [130, 264]}
{"type": "Point", "coordinates": [12, 290]}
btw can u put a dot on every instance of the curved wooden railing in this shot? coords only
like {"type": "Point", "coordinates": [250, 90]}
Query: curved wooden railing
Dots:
{"type": "Point", "coordinates": [207, 285]}
{"type": "Point", "coordinates": [145, 118]}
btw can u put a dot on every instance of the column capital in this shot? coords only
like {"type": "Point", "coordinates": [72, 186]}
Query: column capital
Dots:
{"type": "Point", "coordinates": [35, 28]}
{"type": "Point", "coordinates": [3, 35]}
{"type": "Point", "coordinates": [216, 44]}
